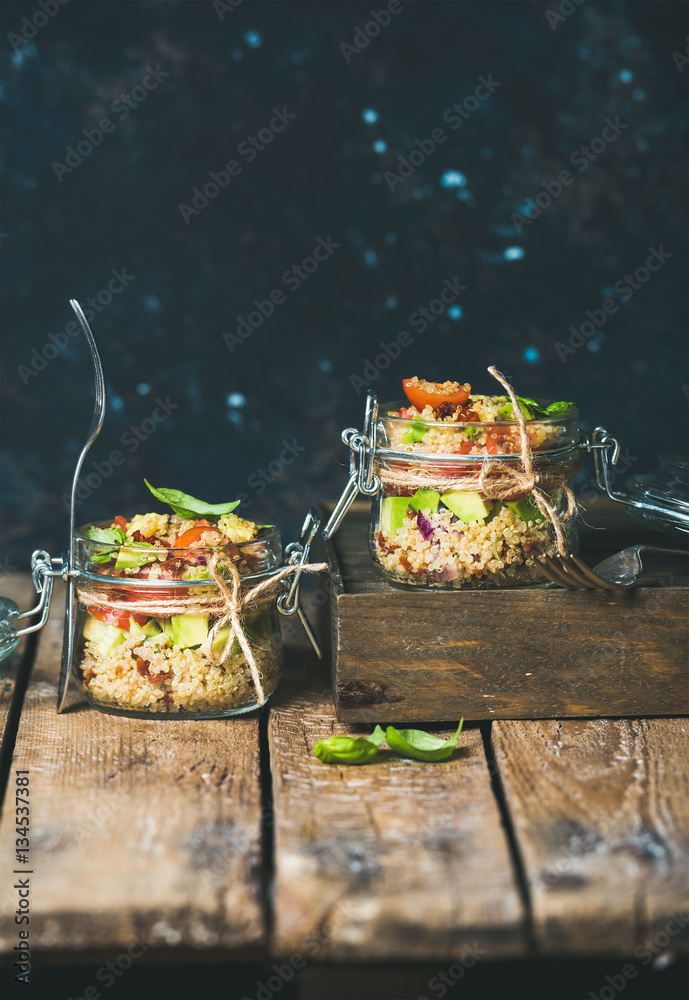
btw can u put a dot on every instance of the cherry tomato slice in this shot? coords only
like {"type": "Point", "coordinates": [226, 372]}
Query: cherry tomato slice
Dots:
{"type": "Point", "coordinates": [194, 534]}
{"type": "Point", "coordinates": [421, 393]}
{"type": "Point", "coordinates": [121, 522]}
{"type": "Point", "coordinates": [120, 619]}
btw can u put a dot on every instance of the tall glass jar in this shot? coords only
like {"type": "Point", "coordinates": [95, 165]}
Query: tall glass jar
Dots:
{"type": "Point", "coordinates": [452, 510]}
{"type": "Point", "coordinates": [160, 646]}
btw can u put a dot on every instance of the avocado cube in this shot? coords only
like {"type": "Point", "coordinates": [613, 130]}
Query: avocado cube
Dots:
{"type": "Point", "coordinates": [220, 642]}
{"type": "Point", "coordinates": [467, 506]}
{"type": "Point", "coordinates": [106, 637]}
{"type": "Point", "coordinates": [425, 499]}
{"type": "Point", "coordinates": [151, 628]}
{"type": "Point", "coordinates": [526, 509]}
{"type": "Point", "coordinates": [189, 630]}
{"type": "Point", "coordinates": [393, 512]}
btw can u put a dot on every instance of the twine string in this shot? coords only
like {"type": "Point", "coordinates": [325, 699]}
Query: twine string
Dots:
{"type": "Point", "coordinates": [228, 605]}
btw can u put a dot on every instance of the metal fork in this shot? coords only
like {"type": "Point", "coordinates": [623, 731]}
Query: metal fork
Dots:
{"type": "Point", "coordinates": [620, 571]}
{"type": "Point", "coordinates": [94, 431]}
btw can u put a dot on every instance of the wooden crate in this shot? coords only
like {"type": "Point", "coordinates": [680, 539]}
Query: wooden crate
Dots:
{"type": "Point", "coordinates": [403, 656]}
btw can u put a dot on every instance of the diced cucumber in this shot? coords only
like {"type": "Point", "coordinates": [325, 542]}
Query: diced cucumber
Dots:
{"type": "Point", "coordinates": [467, 506]}
{"type": "Point", "coordinates": [425, 499]}
{"type": "Point", "coordinates": [393, 512]}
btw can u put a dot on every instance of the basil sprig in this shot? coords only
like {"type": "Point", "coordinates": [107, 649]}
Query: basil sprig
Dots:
{"type": "Point", "coordinates": [413, 743]}
{"type": "Point", "coordinates": [349, 749]}
{"type": "Point", "coordinates": [189, 507]}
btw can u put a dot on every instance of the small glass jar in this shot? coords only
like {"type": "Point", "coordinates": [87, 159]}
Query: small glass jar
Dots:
{"type": "Point", "coordinates": [451, 512]}
{"type": "Point", "coordinates": [145, 647]}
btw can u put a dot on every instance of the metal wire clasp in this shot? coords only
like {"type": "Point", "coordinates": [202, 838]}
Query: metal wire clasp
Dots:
{"type": "Point", "coordinates": [43, 569]}
{"type": "Point", "coordinates": [361, 476]}
{"type": "Point", "coordinates": [298, 555]}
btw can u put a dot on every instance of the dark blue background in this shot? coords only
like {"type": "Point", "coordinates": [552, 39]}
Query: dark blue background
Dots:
{"type": "Point", "coordinates": [162, 336]}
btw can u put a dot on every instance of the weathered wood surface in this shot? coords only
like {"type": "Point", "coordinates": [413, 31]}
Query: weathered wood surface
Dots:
{"type": "Point", "coordinates": [600, 811]}
{"type": "Point", "coordinates": [20, 589]}
{"type": "Point", "coordinates": [400, 655]}
{"type": "Point", "coordinates": [138, 828]}
{"type": "Point", "coordinates": [394, 860]}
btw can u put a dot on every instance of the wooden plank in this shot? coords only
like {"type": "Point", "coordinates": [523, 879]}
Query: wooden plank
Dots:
{"type": "Point", "coordinates": [404, 655]}
{"type": "Point", "coordinates": [20, 589]}
{"type": "Point", "coordinates": [139, 828]}
{"type": "Point", "coordinates": [600, 811]}
{"type": "Point", "coordinates": [394, 860]}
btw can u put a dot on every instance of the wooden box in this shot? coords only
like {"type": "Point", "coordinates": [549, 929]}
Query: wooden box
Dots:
{"type": "Point", "coordinates": [401, 655]}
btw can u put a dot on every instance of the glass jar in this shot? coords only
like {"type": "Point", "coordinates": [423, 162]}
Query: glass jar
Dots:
{"type": "Point", "coordinates": [160, 646]}
{"type": "Point", "coordinates": [452, 511]}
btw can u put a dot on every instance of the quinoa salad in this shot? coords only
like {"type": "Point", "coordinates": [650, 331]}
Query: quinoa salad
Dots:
{"type": "Point", "coordinates": [451, 537]}
{"type": "Point", "coordinates": [148, 659]}
{"type": "Point", "coordinates": [447, 418]}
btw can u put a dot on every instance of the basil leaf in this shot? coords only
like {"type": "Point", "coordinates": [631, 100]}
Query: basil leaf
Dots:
{"type": "Point", "coordinates": [417, 432]}
{"type": "Point", "coordinates": [556, 408]}
{"type": "Point", "coordinates": [189, 507]}
{"type": "Point", "coordinates": [110, 536]}
{"type": "Point", "coordinates": [420, 745]}
{"type": "Point", "coordinates": [349, 749]}
{"type": "Point", "coordinates": [114, 536]}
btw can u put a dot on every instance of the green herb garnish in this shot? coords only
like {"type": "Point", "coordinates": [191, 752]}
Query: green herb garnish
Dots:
{"type": "Point", "coordinates": [420, 745]}
{"type": "Point", "coordinates": [189, 507]}
{"type": "Point", "coordinates": [349, 749]}
{"type": "Point", "coordinates": [109, 536]}
{"type": "Point", "coordinates": [555, 408]}
{"type": "Point", "coordinates": [417, 432]}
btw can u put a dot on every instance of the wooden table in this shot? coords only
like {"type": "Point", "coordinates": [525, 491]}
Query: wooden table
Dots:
{"type": "Point", "coordinates": [227, 839]}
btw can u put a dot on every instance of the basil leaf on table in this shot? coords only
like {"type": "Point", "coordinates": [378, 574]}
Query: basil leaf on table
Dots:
{"type": "Point", "coordinates": [420, 745]}
{"type": "Point", "coordinates": [349, 749]}
{"type": "Point", "coordinates": [189, 507]}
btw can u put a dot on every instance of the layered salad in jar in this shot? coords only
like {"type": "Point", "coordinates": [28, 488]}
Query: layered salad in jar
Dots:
{"type": "Point", "coordinates": [152, 631]}
{"type": "Point", "coordinates": [455, 507]}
